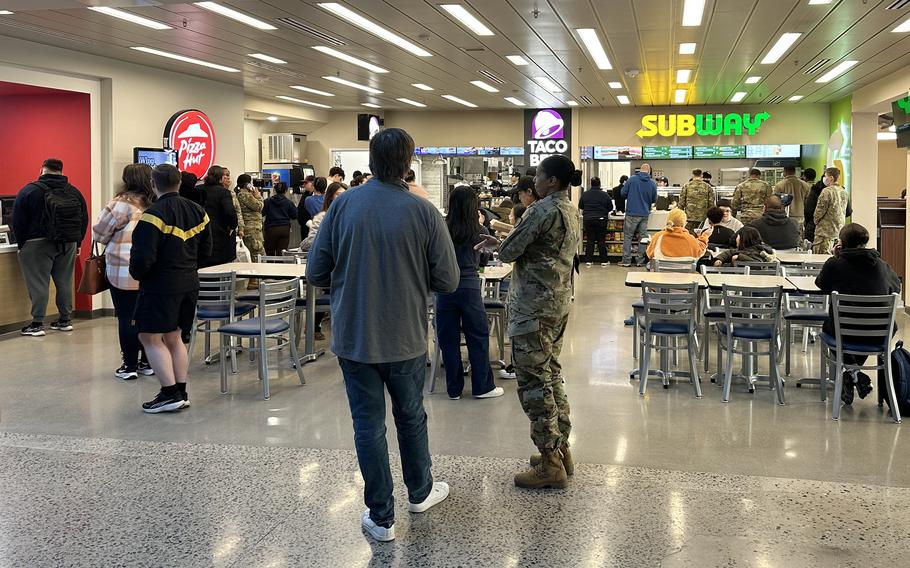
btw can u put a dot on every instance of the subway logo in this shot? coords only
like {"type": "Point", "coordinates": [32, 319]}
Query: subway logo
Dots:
{"type": "Point", "coordinates": [669, 125]}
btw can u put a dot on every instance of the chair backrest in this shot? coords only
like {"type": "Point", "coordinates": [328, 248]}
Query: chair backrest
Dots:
{"type": "Point", "coordinates": [670, 302]}
{"type": "Point", "coordinates": [705, 269]}
{"type": "Point", "coordinates": [761, 268]}
{"type": "Point", "coordinates": [800, 270]}
{"type": "Point", "coordinates": [868, 317]}
{"type": "Point", "coordinates": [298, 254]}
{"type": "Point", "coordinates": [217, 289]}
{"type": "Point", "coordinates": [277, 299]}
{"type": "Point", "coordinates": [746, 305]}
{"type": "Point", "coordinates": [277, 259]}
{"type": "Point", "coordinates": [682, 266]}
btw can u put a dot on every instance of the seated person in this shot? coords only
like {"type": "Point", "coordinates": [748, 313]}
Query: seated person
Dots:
{"type": "Point", "coordinates": [749, 248]}
{"type": "Point", "coordinates": [721, 235]}
{"type": "Point", "coordinates": [778, 230]}
{"type": "Point", "coordinates": [729, 220]}
{"type": "Point", "coordinates": [855, 269]}
{"type": "Point", "coordinates": [675, 242]}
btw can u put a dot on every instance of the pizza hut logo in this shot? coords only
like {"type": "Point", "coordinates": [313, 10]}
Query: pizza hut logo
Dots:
{"type": "Point", "coordinates": [192, 135]}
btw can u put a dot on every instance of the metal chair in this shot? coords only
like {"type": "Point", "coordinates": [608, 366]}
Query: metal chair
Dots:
{"type": "Point", "coordinates": [276, 309]}
{"type": "Point", "coordinates": [669, 312]}
{"type": "Point", "coordinates": [216, 304]}
{"type": "Point", "coordinates": [862, 326]}
{"type": "Point", "coordinates": [495, 305]}
{"type": "Point", "coordinates": [680, 266]}
{"type": "Point", "coordinates": [806, 310]}
{"type": "Point", "coordinates": [761, 268]}
{"type": "Point", "coordinates": [713, 311]}
{"type": "Point", "coordinates": [750, 315]}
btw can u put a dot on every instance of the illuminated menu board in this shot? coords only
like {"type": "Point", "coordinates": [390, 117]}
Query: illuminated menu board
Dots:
{"type": "Point", "coordinates": [667, 152]}
{"type": "Point", "coordinates": [586, 152]}
{"type": "Point", "coordinates": [719, 152]}
{"type": "Point", "coordinates": [446, 150]}
{"type": "Point", "coordinates": [467, 151]}
{"type": "Point", "coordinates": [512, 151]}
{"type": "Point", "coordinates": [617, 152]}
{"type": "Point", "coordinates": [773, 151]}
{"type": "Point", "coordinates": [487, 151]}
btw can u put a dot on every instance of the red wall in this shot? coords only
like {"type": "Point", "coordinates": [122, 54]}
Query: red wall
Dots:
{"type": "Point", "coordinates": [45, 123]}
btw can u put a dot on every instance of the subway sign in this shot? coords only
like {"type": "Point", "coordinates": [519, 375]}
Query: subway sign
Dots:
{"type": "Point", "coordinates": [680, 125]}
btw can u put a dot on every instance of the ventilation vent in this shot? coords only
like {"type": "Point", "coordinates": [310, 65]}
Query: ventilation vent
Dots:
{"type": "Point", "coordinates": [898, 4]}
{"type": "Point", "coordinates": [774, 100]}
{"type": "Point", "coordinates": [475, 49]}
{"type": "Point", "coordinates": [44, 31]}
{"type": "Point", "coordinates": [587, 100]}
{"type": "Point", "coordinates": [274, 69]}
{"type": "Point", "coordinates": [303, 28]}
{"type": "Point", "coordinates": [817, 66]}
{"type": "Point", "coordinates": [492, 77]}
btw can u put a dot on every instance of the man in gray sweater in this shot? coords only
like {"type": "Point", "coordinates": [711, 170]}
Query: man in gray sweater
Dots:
{"type": "Point", "coordinates": [382, 250]}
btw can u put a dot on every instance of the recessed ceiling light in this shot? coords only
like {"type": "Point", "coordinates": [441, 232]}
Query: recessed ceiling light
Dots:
{"type": "Point", "coordinates": [485, 86]}
{"type": "Point", "coordinates": [412, 103]}
{"type": "Point", "coordinates": [186, 59]}
{"type": "Point", "coordinates": [517, 59]}
{"type": "Point", "coordinates": [595, 48]}
{"type": "Point", "coordinates": [349, 58]}
{"type": "Point", "coordinates": [795, 98]}
{"type": "Point", "coordinates": [903, 28]}
{"type": "Point", "coordinates": [301, 101]}
{"type": "Point", "coordinates": [455, 99]}
{"type": "Point", "coordinates": [887, 136]}
{"type": "Point", "coordinates": [692, 12]}
{"type": "Point", "coordinates": [836, 71]}
{"type": "Point", "coordinates": [272, 118]}
{"type": "Point", "coordinates": [341, 81]}
{"type": "Point", "coordinates": [682, 76]}
{"type": "Point", "coordinates": [235, 15]}
{"type": "Point", "coordinates": [738, 96]}
{"type": "Point", "coordinates": [374, 28]}
{"type": "Point", "coordinates": [129, 17]}
{"type": "Point", "coordinates": [516, 102]}
{"type": "Point", "coordinates": [615, 85]}
{"type": "Point", "coordinates": [572, 103]}
{"type": "Point", "coordinates": [370, 105]}
{"type": "Point", "coordinates": [422, 87]}
{"type": "Point", "coordinates": [268, 58]}
{"type": "Point", "coordinates": [310, 90]}
{"type": "Point", "coordinates": [679, 96]}
{"type": "Point", "coordinates": [467, 19]}
{"type": "Point", "coordinates": [548, 84]}
{"type": "Point", "coordinates": [752, 80]}
{"type": "Point", "coordinates": [623, 100]}
{"type": "Point", "coordinates": [782, 46]}
{"type": "Point", "coordinates": [687, 48]}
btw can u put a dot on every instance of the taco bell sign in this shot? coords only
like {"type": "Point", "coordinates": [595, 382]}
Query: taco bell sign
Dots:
{"type": "Point", "coordinates": [548, 131]}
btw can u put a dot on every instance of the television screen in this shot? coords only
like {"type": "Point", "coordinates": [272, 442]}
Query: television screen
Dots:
{"type": "Point", "coordinates": [772, 151]}
{"type": "Point", "coordinates": [901, 110]}
{"type": "Point", "coordinates": [512, 151]}
{"type": "Point", "coordinates": [467, 151]}
{"type": "Point", "coordinates": [667, 152]}
{"type": "Point", "coordinates": [719, 152]}
{"type": "Point", "coordinates": [367, 126]}
{"type": "Point", "coordinates": [154, 156]}
{"type": "Point", "coordinates": [586, 152]}
{"type": "Point", "coordinates": [488, 151]}
{"type": "Point", "coordinates": [447, 150]}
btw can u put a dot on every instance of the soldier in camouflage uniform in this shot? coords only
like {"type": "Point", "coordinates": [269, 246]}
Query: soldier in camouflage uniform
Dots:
{"type": "Point", "coordinates": [749, 197]}
{"type": "Point", "coordinates": [695, 198]}
{"type": "Point", "coordinates": [830, 213]}
{"type": "Point", "coordinates": [251, 213]}
{"type": "Point", "coordinates": [542, 247]}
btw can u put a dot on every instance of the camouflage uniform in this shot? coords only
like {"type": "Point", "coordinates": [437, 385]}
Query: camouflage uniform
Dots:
{"type": "Point", "coordinates": [251, 212]}
{"type": "Point", "coordinates": [792, 185]}
{"type": "Point", "coordinates": [830, 215]}
{"type": "Point", "coordinates": [749, 199]}
{"type": "Point", "coordinates": [695, 198]}
{"type": "Point", "coordinates": [542, 247]}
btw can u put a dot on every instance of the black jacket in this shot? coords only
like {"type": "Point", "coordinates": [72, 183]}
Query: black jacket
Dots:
{"type": "Point", "coordinates": [30, 212]}
{"type": "Point", "coordinates": [809, 209]}
{"type": "Point", "coordinates": [777, 230]}
{"type": "Point", "coordinates": [722, 237]}
{"type": "Point", "coordinates": [278, 211]}
{"type": "Point", "coordinates": [169, 239]}
{"type": "Point", "coordinates": [303, 215]}
{"type": "Point", "coordinates": [618, 200]}
{"type": "Point", "coordinates": [219, 206]}
{"type": "Point", "coordinates": [595, 203]}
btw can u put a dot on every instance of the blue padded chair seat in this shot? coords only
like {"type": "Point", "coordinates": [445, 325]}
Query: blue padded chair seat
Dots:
{"type": "Point", "coordinates": [748, 331]}
{"type": "Point", "coordinates": [251, 327]}
{"type": "Point", "coordinates": [806, 314]}
{"type": "Point", "coordinates": [222, 311]}
{"type": "Point", "coordinates": [321, 301]}
{"type": "Point", "coordinates": [667, 327]}
{"type": "Point", "coordinates": [493, 304]}
{"type": "Point", "coordinates": [831, 342]}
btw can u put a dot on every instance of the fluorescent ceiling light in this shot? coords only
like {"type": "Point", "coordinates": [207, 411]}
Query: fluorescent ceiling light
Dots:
{"type": "Point", "coordinates": [548, 84]}
{"type": "Point", "coordinates": [572, 103]}
{"type": "Point", "coordinates": [186, 59]}
{"type": "Point", "coordinates": [515, 101]}
{"type": "Point", "coordinates": [679, 96]}
{"type": "Point", "coordinates": [455, 99]}
{"type": "Point", "coordinates": [5, 13]}
{"type": "Point", "coordinates": [314, 91]}
{"type": "Point", "coordinates": [892, 128]}
{"type": "Point", "coordinates": [422, 87]}
{"type": "Point", "coordinates": [412, 103]}
{"type": "Point", "coordinates": [235, 15]}
{"type": "Point", "coordinates": [815, 2]}
{"type": "Point", "coordinates": [272, 118]}
{"type": "Point", "coordinates": [682, 75]}
{"type": "Point", "coordinates": [595, 48]}
{"type": "Point", "coordinates": [782, 46]}
{"type": "Point", "coordinates": [623, 100]}
{"type": "Point", "coordinates": [903, 28]}
{"type": "Point", "coordinates": [615, 85]}
{"type": "Point", "coordinates": [370, 105]}
{"type": "Point", "coordinates": [692, 12]}
{"type": "Point", "coordinates": [341, 81]}
{"type": "Point", "coordinates": [301, 101]}
{"type": "Point", "coordinates": [887, 136]}
{"type": "Point", "coordinates": [687, 48]}
{"type": "Point", "coordinates": [517, 59]}
{"type": "Point", "coordinates": [374, 28]}
{"type": "Point", "coordinates": [269, 58]}
{"type": "Point", "coordinates": [349, 58]}
{"type": "Point", "coordinates": [738, 96]}
{"type": "Point", "coordinates": [836, 71]}
{"type": "Point", "coordinates": [485, 86]}
{"type": "Point", "coordinates": [114, 12]}
{"type": "Point", "coordinates": [752, 80]}
{"type": "Point", "coordinates": [795, 98]}
{"type": "Point", "coordinates": [467, 19]}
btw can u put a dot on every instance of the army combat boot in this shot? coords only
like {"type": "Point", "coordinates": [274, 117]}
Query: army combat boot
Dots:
{"type": "Point", "coordinates": [567, 460]}
{"type": "Point", "coordinates": [549, 472]}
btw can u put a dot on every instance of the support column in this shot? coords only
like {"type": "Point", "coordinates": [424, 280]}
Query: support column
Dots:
{"type": "Point", "coordinates": [864, 175]}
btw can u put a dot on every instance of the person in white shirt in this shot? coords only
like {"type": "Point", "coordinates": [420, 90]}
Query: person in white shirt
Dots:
{"type": "Point", "coordinates": [729, 221]}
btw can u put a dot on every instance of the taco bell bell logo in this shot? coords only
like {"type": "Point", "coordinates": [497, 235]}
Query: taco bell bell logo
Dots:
{"type": "Point", "coordinates": [548, 124]}
{"type": "Point", "coordinates": [547, 135]}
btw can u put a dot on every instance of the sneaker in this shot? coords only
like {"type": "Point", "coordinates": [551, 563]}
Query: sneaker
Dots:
{"type": "Point", "coordinates": [629, 321]}
{"type": "Point", "coordinates": [33, 329]}
{"type": "Point", "coordinates": [605, 264]}
{"type": "Point", "coordinates": [163, 403]}
{"type": "Point", "coordinates": [62, 325]}
{"type": "Point", "coordinates": [625, 264]}
{"type": "Point", "coordinates": [186, 400]}
{"type": "Point", "coordinates": [379, 533]}
{"type": "Point", "coordinates": [506, 373]}
{"type": "Point", "coordinates": [145, 369]}
{"type": "Point", "coordinates": [454, 397]}
{"type": "Point", "coordinates": [589, 264]}
{"type": "Point", "coordinates": [437, 495]}
{"type": "Point", "coordinates": [498, 391]}
{"type": "Point", "coordinates": [125, 373]}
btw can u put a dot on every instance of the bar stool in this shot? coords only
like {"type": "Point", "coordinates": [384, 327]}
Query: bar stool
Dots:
{"type": "Point", "coordinates": [669, 313]}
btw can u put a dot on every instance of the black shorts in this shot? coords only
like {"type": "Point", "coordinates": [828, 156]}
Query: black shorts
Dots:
{"type": "Point", "coordinates": [164, 313]}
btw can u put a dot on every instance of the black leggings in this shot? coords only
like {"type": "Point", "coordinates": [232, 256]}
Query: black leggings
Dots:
{"type": "Point", "coordinates": [124, 307]}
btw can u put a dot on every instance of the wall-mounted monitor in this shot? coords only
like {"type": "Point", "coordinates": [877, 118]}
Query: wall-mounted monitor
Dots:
{"type": "Point", "coordinates": [447, 150]}
{"type": "Point", "coordinates": [488, 151]}
{"type": "Point", "coordinates": [368, 125]}
{"type": "Point", "coordinates": [667, 153]}
{"type": "Point", "coordinates": [758, 151]}
{"type": "Point", "coordinates": [617, 152]}
{"type": "Point", "coordinates": [719, 152]}
{"type": "Point", "coordinates": [154, 156]}
{"type": "Point", "coordinates": [586, 152]}
{"type": "Point", "coordinates": [901, 112]}
{"type": "Point", "coordinates": [512, 151]}
{"type": "Point", "coordinates": [466, 151]}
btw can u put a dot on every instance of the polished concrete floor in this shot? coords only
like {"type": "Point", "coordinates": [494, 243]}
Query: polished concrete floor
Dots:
{"type": "Point", "coordinates": [86, 479]}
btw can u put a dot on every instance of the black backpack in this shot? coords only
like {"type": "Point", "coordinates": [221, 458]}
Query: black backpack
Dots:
{"type": "Point", "coordinates": [64, 214]}
{"type": "Point", "coordinates": [900, 374]}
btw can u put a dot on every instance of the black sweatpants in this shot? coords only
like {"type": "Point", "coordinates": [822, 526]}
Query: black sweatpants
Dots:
{"type": "Point", "coordinates": [595, 234]}
{"type": "Point", "coordinates": [124, 307]}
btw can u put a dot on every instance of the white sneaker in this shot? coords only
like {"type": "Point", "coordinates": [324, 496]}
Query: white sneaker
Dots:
{"type": "Point", "coordinates": [437, 495]}
{"type": "Point", "coordinates": [381, 534]}
{"type": "Point", "coordinates": [589, 264]}
{"type": "Point", "coordinates": [498, 391]}
{"type": "Point", "coordinates": [455, 397]}
{"type": "Point", "coordinates": [504, 374]}
{"type": "Point", "coordinates": [605, 264]}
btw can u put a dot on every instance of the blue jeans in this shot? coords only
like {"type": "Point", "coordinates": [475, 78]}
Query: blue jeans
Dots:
{"type": "Point", "coordinates": [637, 228]}
{"type": "Point", "coordinates": [463, 310]}
{"type": "Point", "coordinates": [366, 385]}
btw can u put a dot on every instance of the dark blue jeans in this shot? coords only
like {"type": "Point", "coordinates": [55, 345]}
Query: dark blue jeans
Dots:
{"type": "Point", "coordinates": [463, 310]}
{"type": "Point", "coordinates": [366, 385]}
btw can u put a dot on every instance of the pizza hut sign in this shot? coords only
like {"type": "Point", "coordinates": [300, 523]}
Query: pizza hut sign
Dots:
{"type": "Point", "coordinates": [191, 134]}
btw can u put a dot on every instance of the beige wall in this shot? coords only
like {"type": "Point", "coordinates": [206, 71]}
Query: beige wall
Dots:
{"type": "Point", "coordinates": [892, 169]}
{"type": "Point", "coordinates": [339, 133]}
{"type": "Point", "coordinates": [461, 128]}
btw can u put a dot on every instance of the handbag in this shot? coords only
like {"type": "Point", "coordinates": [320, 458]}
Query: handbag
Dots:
{"type": "Point", "coordinates": [94, 273]}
